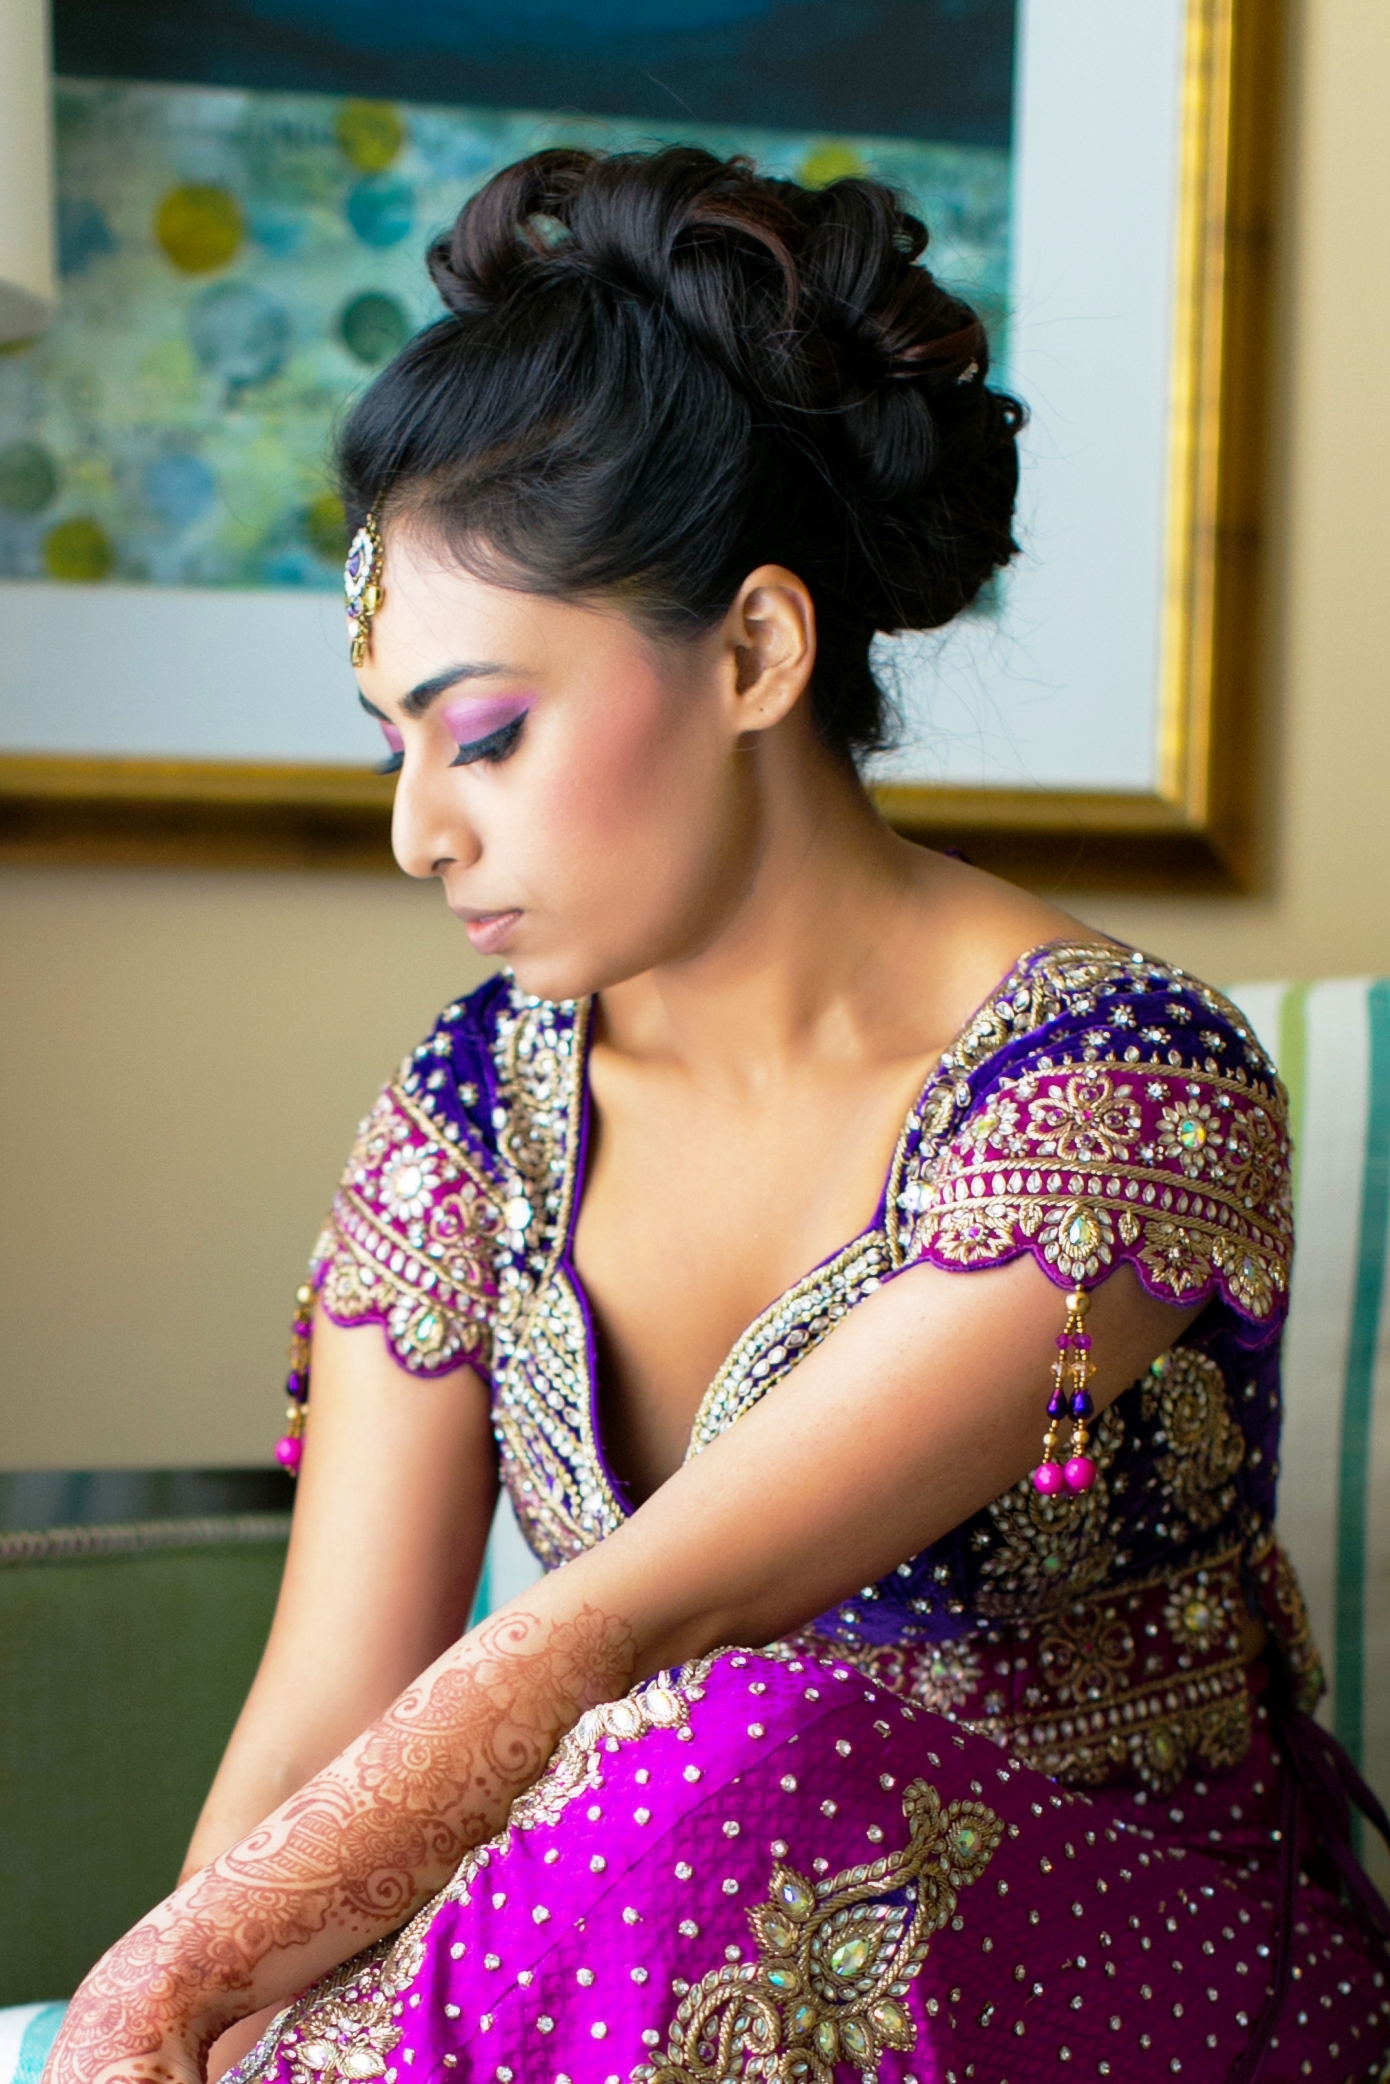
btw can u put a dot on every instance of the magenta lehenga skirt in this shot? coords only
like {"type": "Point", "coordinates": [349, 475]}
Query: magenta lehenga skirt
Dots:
{"type": "Point", "coordinates": [774, 1871]}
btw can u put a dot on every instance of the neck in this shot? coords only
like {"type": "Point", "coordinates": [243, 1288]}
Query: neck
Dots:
{"type": "Point", "coordinates": [815, 904]}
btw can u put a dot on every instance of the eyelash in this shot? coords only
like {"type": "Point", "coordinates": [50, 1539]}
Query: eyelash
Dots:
{"type": "Point", "coordinates": [494, 748]}
{"type": "Point", "coordinates": [497, 746]}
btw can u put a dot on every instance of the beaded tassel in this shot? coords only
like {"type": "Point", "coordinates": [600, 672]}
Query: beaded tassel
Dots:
{"type": "Point", "coordinates": [1071, 1372]}
{"type": "Point", "coordinates": [289, 1448]}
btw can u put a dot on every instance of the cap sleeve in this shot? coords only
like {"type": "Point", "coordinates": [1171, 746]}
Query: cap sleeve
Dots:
{"type": "Point", "coordinates": [408, 1244]}
{"type": "Point", "coordinates": [1139, 1124]}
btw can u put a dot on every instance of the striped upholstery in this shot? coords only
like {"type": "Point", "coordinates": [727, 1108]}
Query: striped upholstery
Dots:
{"type": "Point", "coordinates": [1331, 1041]}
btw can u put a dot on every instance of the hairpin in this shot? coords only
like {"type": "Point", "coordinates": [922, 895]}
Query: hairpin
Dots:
{"type": "Point", "coordinates": [362, 585]}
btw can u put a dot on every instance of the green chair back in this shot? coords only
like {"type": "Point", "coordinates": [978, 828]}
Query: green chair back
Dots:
{"type": "Point", "coordinates": [125, 1655]}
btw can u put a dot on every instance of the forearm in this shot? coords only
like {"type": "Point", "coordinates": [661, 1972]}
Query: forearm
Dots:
{"type": "Point", "coordinates": [350, 1856]}
{"type": "Point", "coordinates": [248, 1786]}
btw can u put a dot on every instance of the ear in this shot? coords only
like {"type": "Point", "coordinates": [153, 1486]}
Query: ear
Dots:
{"type": "Point", "coordinates": [771, 631]}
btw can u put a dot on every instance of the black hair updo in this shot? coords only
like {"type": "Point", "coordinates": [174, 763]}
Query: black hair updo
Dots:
{"type": "Point", "coordinates": [660, 370]}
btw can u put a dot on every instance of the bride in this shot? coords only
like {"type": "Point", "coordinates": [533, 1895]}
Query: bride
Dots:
{"type": "Point", "coordinates": [834, 1251]}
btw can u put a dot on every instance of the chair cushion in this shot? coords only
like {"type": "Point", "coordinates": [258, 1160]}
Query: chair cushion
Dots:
{"type": "Point", "coordinates": [27, 2032]}
{"type": "Point", "coordinates": [1331, 1042]}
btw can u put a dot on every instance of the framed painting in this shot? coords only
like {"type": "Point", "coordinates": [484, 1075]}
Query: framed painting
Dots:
{"type": "Point", "coordinates": [242, 217]}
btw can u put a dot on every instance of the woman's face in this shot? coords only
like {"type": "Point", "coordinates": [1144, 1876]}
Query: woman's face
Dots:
{"type": "Point", "coordinates": [582, 792]}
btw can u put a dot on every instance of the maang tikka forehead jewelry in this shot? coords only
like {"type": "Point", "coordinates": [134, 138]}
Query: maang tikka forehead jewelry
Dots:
{"type": "Point", "coordinates": [362, 585]}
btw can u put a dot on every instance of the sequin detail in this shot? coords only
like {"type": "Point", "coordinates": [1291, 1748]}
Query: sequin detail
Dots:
{"type": "Point", "coordinates": [835, 1960]}
{"type": "Point", "coordinates": [409, 1242]}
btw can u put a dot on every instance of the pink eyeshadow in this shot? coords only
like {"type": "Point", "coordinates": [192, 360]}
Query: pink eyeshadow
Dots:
{"type": "Point", "coordinates": [467, 722]}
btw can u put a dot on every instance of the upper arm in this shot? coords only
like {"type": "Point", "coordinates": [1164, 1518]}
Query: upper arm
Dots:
{"type": "Point", "coordinates": [394, 1504]}
{"type": "Point", "coordinates": [399, 1476]}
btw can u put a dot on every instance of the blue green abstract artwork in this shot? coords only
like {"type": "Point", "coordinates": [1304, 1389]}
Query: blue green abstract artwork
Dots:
{"type": "Point", "coordinates": [237, 263]}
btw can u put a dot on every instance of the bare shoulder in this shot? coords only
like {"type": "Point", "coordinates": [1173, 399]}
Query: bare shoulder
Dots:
{"type": "Point", "coordinates": [968, 928]}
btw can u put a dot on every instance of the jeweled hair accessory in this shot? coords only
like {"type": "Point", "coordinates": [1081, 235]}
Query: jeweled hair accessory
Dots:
{"type": "Point", "coordinates": [362, 585]}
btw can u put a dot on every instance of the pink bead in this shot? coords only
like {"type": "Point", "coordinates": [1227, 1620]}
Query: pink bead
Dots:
{"type": "Point", "coordinates": [1080, 1473]}
{"type": "Point", "coordinates": [1047, 1478]}
{"type": "Point", "coordinates": [289, 1453]}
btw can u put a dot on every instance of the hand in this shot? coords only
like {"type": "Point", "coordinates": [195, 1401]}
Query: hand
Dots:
{"type": "Point", "coordinates": [123, 2028]}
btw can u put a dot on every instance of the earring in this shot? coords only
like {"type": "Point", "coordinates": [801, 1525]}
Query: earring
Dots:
{"type": "Point", "coordinates": [1071, 1372]}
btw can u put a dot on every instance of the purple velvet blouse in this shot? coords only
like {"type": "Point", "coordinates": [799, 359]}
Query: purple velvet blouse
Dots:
{"type": "Point", "coordinates": [1100, 1108]}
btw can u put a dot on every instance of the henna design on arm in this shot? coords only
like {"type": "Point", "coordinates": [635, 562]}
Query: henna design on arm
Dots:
{"type": "Point", "coordinates": [350, 1857]}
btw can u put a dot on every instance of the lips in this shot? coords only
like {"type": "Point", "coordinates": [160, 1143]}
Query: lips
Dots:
{"type": "Point", "coordinates": [489, 931]}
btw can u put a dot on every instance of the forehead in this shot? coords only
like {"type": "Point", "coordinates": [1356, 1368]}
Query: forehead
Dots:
{"type": "Point", "coordinates": [434, 614]}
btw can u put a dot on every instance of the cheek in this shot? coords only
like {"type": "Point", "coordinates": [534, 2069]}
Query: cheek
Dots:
{"type": "Point", "coordinates": [638, 785]}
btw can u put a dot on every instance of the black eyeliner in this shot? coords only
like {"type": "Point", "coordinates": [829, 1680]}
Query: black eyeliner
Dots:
{"type": "Point", "coordinates": [390, 765]}
{"type": "Point", "coordinates": [495, 746]}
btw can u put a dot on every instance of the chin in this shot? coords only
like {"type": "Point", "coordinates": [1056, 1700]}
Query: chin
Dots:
{"type": "Point", "coordinates": [553, 976]}
{"type": "Point", "coordinates": [571, 973]}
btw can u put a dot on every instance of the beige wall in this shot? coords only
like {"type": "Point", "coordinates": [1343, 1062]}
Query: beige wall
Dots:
{"type": "Point", "coordinates": [183, 1056]}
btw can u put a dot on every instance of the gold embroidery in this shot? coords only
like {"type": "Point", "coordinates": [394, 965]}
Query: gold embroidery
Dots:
{"type": "Point", "coordinates": [1045, 1549]}
{"type": "Point", "coordinates": [938, 1676]}
{"type": "Point", "coordinates": [410, 1237]}
{"type": "Point", "coordinates": [1092, 1121]}
{"type": "Point", "coordinates": [795, 1324]}
{"type": "Point", "coordinates": [835, 1960]}
{"type": "Point", "coordinates": [1056, 1154]}
{"type": "Point", "coordinates": [1146, 1679]}
{"type": "Point", "coordinates": [345, 2027]}
{"type": "Point", "coordinates": [1086, 1654]}
{"type": "Point", "coordinates": [544, 1421]}
{"type": "Point", "coordinates": [1185, 1391]}
{"type": "Point", "coordinates": [1284, 1610]}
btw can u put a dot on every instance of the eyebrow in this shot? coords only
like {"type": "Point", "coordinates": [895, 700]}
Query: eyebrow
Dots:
{"type": "Point", "coordinates": [420, 698]}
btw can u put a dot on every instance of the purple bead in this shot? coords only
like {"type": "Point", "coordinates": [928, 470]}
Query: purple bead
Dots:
{"type": "Point", "coordinates": [294, 1383]}
{"type": "Point", "coordinates": [1083, 1340]}
{"type": "Point", "coordinates": [1048, 1479]}
{"type": "Point", "coordinates": [1081, 1404]}
{"type": "Point", "coordinates": [1063, 1341]}
{"type": "Point", "coordinates": [289, 1453]}
{"type": "Point", "coordinates": [1056, 1404]}
{"type": "Point", "coordinates": [1080, 1473]}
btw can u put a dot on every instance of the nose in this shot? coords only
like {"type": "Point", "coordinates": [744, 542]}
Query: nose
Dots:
{"type": "Point", "coordinates": [429, 831]}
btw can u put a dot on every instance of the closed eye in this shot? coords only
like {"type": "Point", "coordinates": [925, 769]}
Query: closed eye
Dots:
{"type": "Point", "coordinates": [496, 746]}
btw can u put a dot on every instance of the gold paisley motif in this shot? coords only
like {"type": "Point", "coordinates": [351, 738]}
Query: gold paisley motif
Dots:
{"type": "Point", "coordinates": [1044, 1550]}
{"type": "Point", "coordinates": [1185, 1394]}
{"type": "Point", "coordinates": [835, 1961]}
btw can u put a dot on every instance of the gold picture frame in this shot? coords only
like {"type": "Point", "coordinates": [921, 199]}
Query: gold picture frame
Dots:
{"type": "Point", "coordinates": [1195, 829]}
